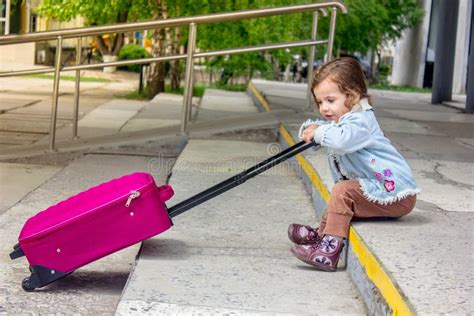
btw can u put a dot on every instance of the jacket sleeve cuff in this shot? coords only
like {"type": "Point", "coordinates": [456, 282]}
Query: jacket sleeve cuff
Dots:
{"type": "Point", "coordinates": [320, 133]}
{"type": "Point", "coordinates": [304, 126]}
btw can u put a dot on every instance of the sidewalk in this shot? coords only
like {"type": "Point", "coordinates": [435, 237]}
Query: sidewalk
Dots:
{"type": "Point", "coordinates": [230, 255]}
{"type": "Point", "coordinates": [208, 262]}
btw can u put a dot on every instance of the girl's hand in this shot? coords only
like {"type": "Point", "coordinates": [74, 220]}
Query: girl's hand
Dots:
{"type": "Point", "coordinates": [308, 133]}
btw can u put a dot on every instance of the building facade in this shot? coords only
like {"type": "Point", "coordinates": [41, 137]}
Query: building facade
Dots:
{"type": "Point", "coordinates": [414, 53]}
{"type": "Point", "coordinates": [19, 17]}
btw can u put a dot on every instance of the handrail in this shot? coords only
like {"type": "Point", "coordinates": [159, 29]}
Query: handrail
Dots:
{"type": "Point", "coordinates": [174, 22]}
{"type": "Point", "coordinates": [148, 60]}
{"type": "Point", "coordinates": [192, 22]}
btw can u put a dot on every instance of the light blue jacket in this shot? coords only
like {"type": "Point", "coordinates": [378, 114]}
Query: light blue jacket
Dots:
{"type": "Point", "coordinates": [358, 149]}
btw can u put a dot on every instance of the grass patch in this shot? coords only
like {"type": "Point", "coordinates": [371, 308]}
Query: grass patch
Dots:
{"type": "Point", "coordinates": [68, 78]}
{"type": "Point", "coordinates": [237, 87]}
{"type": "Point", "coordinates": [198, 90]}
{"type": "Point", "coordinates": [385, 86]}
{"type": "Point", "coordinates": [135, 95]}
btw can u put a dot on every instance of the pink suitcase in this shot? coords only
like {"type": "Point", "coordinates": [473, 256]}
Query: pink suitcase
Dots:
{"type": "Point", "coordinates": [110, 217]}
{"type": "Point", "coordinates": [91, 225]}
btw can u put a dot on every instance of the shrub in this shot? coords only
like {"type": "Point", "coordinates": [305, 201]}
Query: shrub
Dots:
{"type": "Point", "coordinates": [384, 69]}
{"type": "Point", "coordinates": [132, 51]}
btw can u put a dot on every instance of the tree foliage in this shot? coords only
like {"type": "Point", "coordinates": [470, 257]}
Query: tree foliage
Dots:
{"type": "Point", "coordinates": [249, 32]}
{"type": "Point", "coordinates": [371, 23]}
{"type": "Point", "coordinates": [97, 12]}
{"type": "Point", "coordinates": [368, 25]}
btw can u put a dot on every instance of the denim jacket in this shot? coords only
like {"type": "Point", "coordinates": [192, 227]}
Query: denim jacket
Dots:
{"type": "Point", "coordinates": [358, 149]}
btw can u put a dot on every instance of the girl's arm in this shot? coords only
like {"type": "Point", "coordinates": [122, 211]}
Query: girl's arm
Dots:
{"type": "Point", "coordinates": [351, 134]}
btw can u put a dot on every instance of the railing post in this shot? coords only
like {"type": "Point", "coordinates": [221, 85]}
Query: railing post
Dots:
{"type": "Point", "coordinates": [312, 53]}
{"type": "Point", "coordinates": [54, 107]}
{"type": "Point", "coordinates": [76, 90]}
{"type": "Point", "coordinates": [332, 27]}
{"type": "Point", "coordinates": [7, 17]}
{"type": "Point", "coordinates": [188, 81]}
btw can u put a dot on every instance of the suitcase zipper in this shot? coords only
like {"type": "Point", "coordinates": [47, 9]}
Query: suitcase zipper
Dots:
{"type": "Point", "coordinates": [133, 195]}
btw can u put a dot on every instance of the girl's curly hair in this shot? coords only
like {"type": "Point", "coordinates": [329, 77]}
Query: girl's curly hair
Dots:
{"type": "Point", "coordinates": [347, 74]}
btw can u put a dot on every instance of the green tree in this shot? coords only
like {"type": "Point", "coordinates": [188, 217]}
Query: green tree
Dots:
{"type": "Point", "coordinates": [245, 33]}
{"type": "Point", "coordinates": [368, 25]}
{"type": "Point", "coordinates": [97, 12]}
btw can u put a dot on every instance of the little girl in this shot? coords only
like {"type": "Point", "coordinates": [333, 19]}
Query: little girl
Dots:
{"type": "Point", "coordinates": [372, 178]}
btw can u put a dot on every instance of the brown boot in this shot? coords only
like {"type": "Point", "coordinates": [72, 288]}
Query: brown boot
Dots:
{"type": "Point", "coordinates": [303, 234]}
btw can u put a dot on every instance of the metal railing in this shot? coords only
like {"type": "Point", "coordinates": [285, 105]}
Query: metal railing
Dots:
{"type": "Point", "coordinates": [191, 54]}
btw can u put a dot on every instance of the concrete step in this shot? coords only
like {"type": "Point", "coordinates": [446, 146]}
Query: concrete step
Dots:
{"type": "Point", "coordinates": [17, 180]}
{"type": "Point", "coordinates": [198, 129]}
{"type": "Point", "coordinates": [231, 254]}
{"type": "Point", "coordinates": [121, 122]}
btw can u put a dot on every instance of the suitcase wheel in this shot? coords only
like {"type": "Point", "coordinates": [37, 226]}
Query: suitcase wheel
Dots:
{"type": "Point", "coordinates": [26, 285]}
{"type": "Point", "coordinates": [41, 276]}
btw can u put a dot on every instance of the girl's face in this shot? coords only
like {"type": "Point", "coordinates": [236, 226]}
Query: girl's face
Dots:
{"type": "Point", "coordinates": [331, 101]}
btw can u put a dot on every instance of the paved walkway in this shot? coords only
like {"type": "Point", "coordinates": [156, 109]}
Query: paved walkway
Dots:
{"type": "Point", "coordinates": [230, 255]}
{"type": "Point", "coordinates": [210, 242]}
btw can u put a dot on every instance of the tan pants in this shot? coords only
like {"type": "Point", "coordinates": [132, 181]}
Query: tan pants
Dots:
{"type": "Point", "coordinates": [348, 201]}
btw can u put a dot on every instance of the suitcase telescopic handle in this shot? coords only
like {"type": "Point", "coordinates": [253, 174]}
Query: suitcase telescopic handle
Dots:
{"type": "Point", "coordinates": [239, 178]}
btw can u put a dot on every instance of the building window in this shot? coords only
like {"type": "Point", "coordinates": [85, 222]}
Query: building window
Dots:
{"type": "Point", "coordinates": [33, 23]}
{"type": "Point", "coordinates": [3, 18]}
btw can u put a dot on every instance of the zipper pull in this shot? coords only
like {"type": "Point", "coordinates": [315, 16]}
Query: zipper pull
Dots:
{"type": "Point", "coordinates": [133, 195]}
